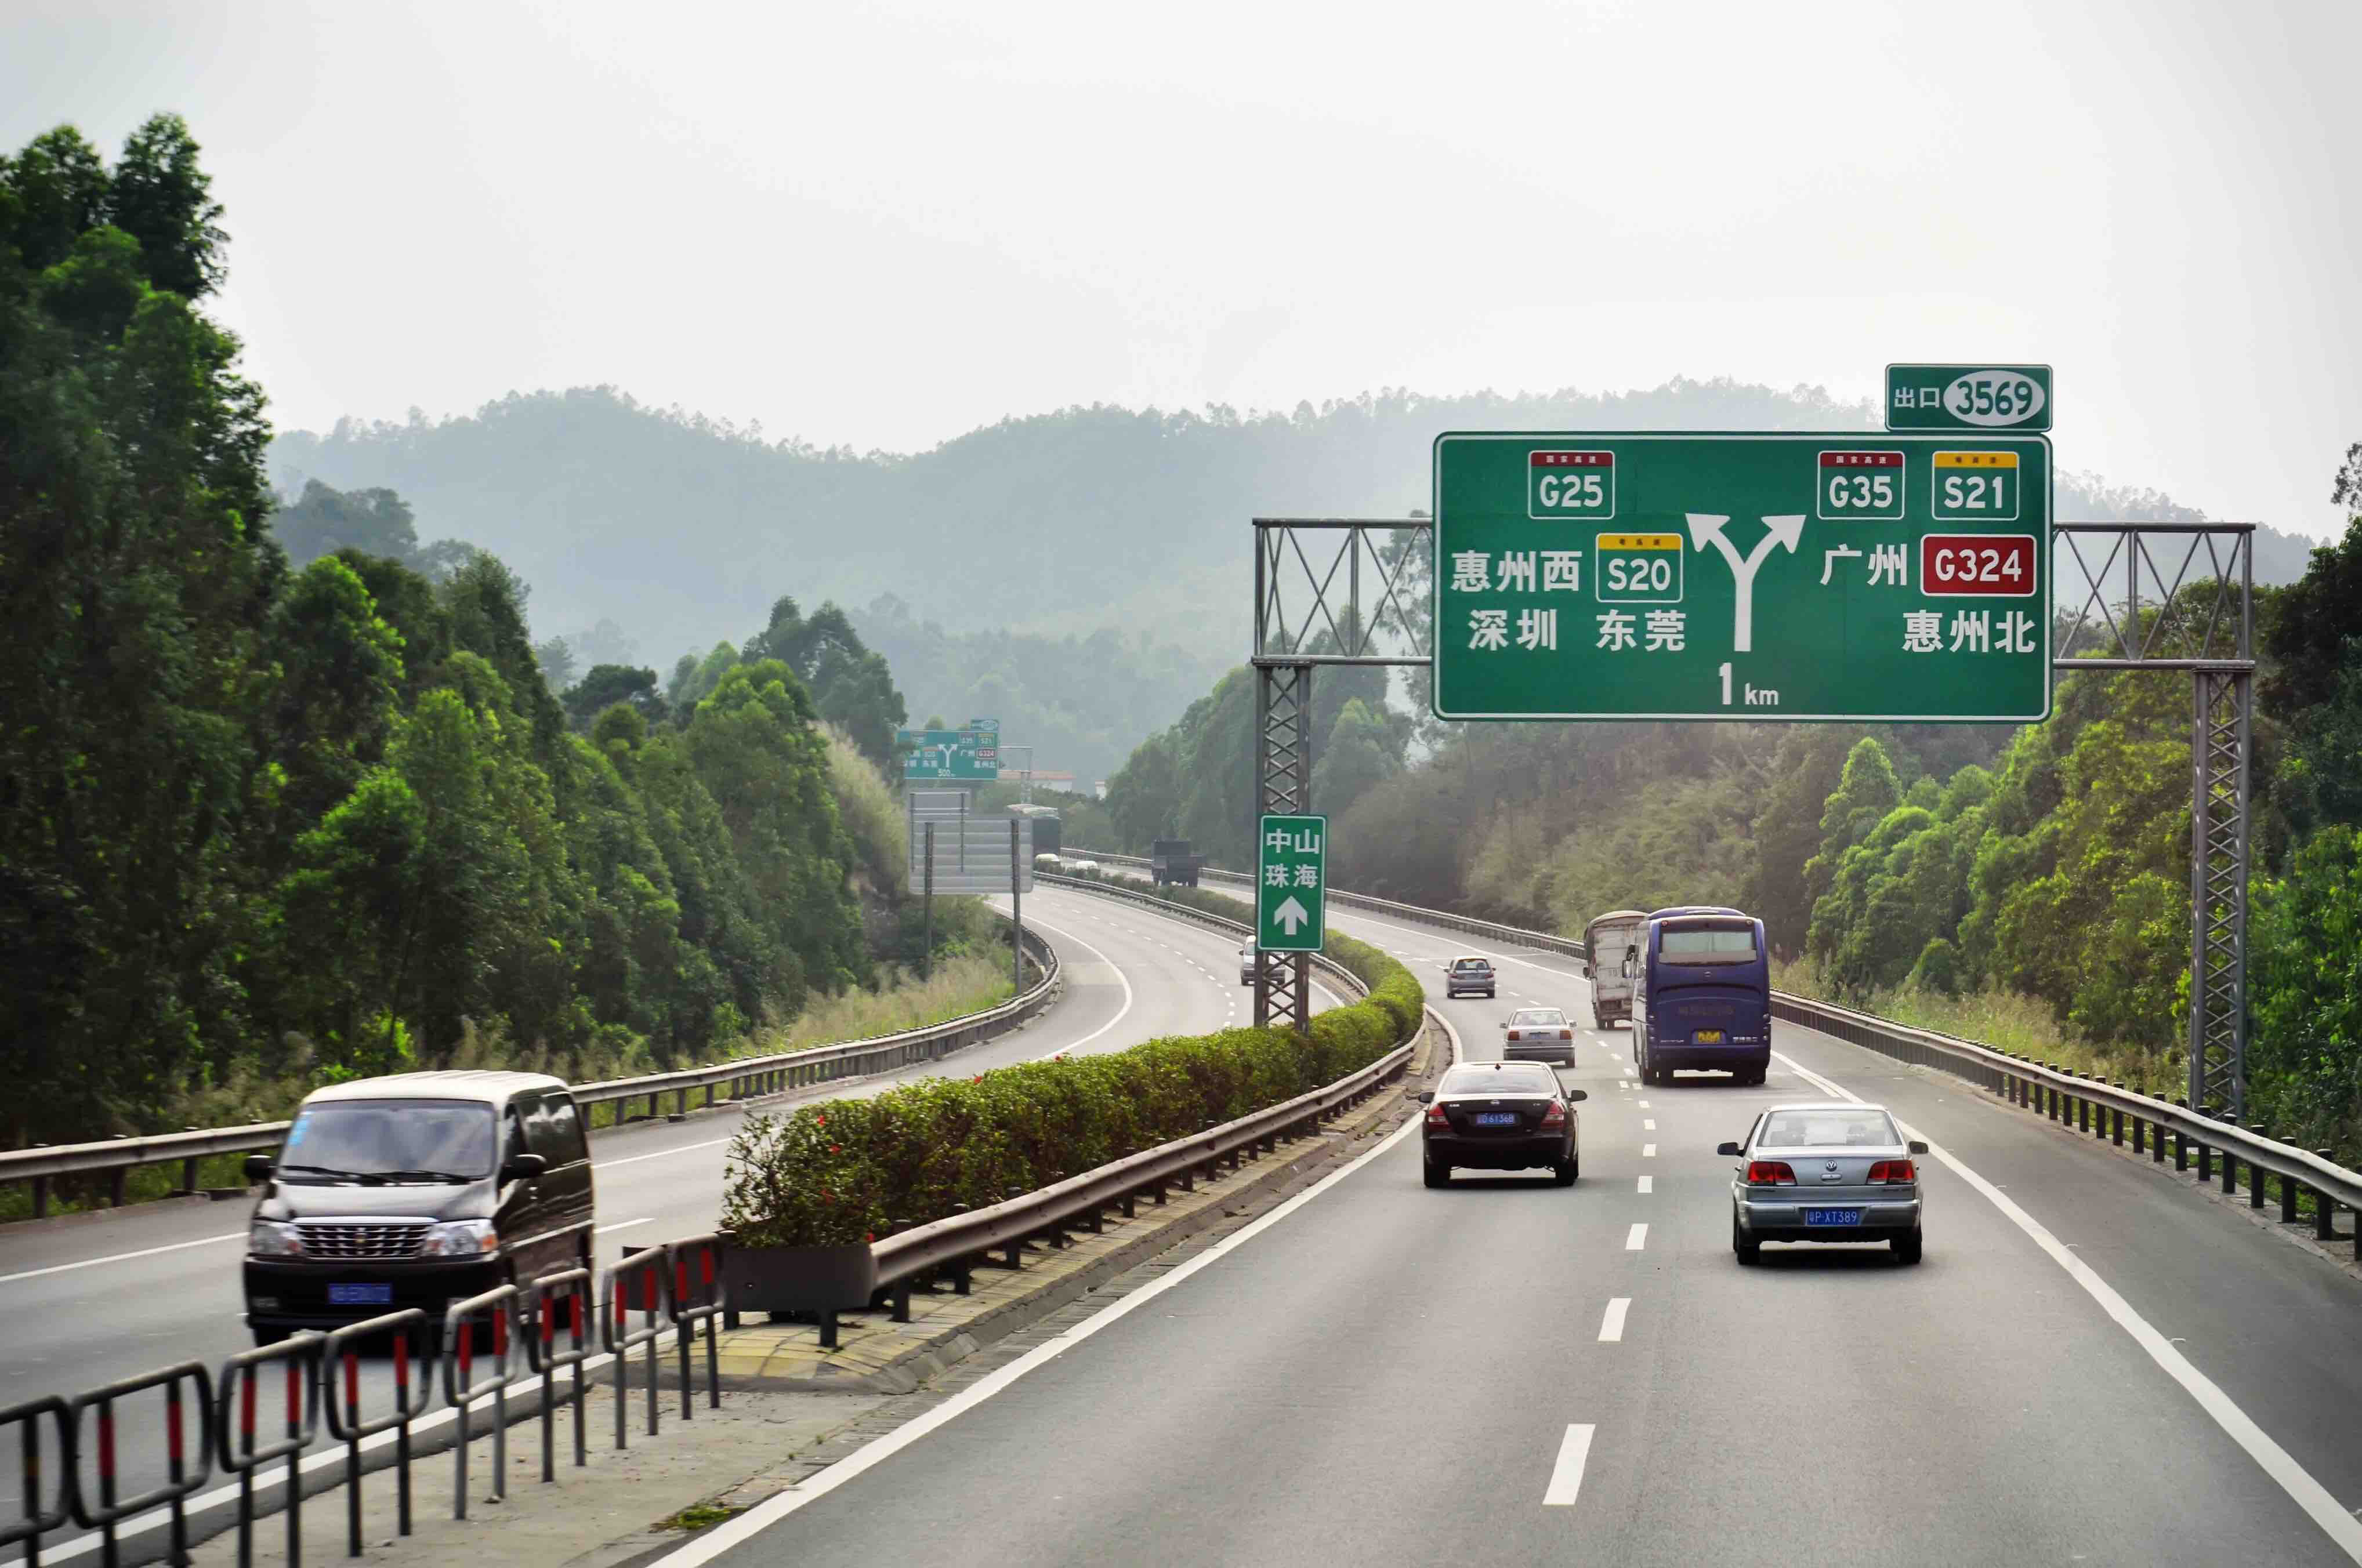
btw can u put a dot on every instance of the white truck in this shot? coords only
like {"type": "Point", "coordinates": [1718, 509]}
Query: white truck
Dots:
{"type": "Point", "coordinates": [1613, 942]}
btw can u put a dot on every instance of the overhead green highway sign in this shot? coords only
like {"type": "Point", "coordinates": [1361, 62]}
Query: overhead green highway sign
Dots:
{"type": "Point", "coordinates": [1901, 578]}
{"type": "Point", "coordinates": [1967, 396]}
{"type": "Point", "coordinates": [1291, 884]}
{"type": "Point", "coordinates": [971, 751]}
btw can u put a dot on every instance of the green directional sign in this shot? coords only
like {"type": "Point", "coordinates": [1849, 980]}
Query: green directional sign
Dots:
{"type": "Point", "coordinates": [1967, 396]}
{"type": "Point", "coordinates": [1852, 575]}
{"type": "Point", "coordinates": [970, 752]}
{"type": "Point", "coordinates": [1291, 884]}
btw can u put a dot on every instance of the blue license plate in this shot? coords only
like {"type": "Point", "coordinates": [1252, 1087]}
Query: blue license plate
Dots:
{"type": "Point", "coordinates": [361, 1295]}
{"type": "Point", "coordinates": [1833, 1216]}
{"type": "Point", "coordinates": [1498, 1118]}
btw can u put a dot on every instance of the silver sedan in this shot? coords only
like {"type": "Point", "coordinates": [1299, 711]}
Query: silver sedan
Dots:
{"type": "Point", "coordinates": [1825, 1173]}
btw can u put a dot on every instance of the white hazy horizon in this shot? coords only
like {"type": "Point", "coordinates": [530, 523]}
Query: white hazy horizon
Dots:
{"type": "Point", "coordinates": [883, 226]}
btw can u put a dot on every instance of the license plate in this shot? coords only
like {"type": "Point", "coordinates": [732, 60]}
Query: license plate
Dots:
{"type": "Point", "coordinates": [1709, 1037]}
{"type": "Point", "coordinates": [361, 1295]}
{"type": "Point", "coordinates": [1498, 1118]}
{"type": "Point", "coordinates": [1833, 1216]}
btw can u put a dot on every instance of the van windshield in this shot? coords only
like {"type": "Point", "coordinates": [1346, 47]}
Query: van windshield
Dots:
{"type": "Point", "coordinates": [385, 1138]}
{"type": "Point", "coordinates": [1708, 945]}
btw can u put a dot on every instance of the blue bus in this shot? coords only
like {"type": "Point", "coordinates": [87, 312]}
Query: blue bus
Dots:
{"type": "Point", "coordinates": [1704, 996]}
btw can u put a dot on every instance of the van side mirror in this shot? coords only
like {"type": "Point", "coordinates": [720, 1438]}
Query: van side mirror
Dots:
{"type": "Point", "coordinates": [1918, 1147]}
{"type": "Point", "coordinates": [1730, 1149]}
{"type": "Point", "coordinates": [259, 1168]}
{"type": "Point", "coordinates": [521, 1167]}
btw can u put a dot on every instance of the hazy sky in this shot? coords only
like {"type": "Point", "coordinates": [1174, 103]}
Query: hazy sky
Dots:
{"type": "Point", "coordinates": [882, 225]}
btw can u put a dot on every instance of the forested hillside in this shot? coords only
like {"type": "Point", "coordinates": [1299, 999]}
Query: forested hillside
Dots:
{"type": "Point", "coordinates": [285, 805]}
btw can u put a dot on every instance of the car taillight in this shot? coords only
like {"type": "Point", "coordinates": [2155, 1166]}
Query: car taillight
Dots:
{"type": "Point", "coordinates": [1566, 1034]}
{"type": "Point", "coordinates": [1769, 1173]}
{"type": "Point", "coordinates": [1891, 1171]}
{"type": "Point", "coordinates": [1556, 1116]}
{"type": "Point", "coordinates": [1436, 1118]}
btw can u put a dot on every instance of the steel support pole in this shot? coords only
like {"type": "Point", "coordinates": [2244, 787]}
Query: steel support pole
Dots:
{"type": "Point", "coordinates": [1016, 916]}
{"type": "Point", "coordinates": [927, 953]}
{"type": "Point", "coordinates": [2222, 733]}
{"type": "Point", "coordinates": [1283, 784]}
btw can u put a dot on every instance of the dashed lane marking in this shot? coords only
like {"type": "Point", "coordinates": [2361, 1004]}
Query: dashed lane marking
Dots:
{"type": "Point", "coordinates": [1647, 1184]}
{"type": "Point", "coordinates": [1566, 1475]}
{"type": "Point", "coordinates": [1636, 1238]}
{"type": "Point", "coordinates": [1611, 1324]}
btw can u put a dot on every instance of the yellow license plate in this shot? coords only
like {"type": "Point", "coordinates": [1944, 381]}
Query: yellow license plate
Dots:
{"type": "Point", "coordinates": [1709, 1037]}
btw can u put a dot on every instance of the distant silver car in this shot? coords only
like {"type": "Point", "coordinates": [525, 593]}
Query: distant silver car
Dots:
{"type": "Point", "coordinates": [1539, 1034]}
{"type": "Point", "coordinates": [1825, 1173]}
{"type": "Point", "coordinates": [1249, 957]}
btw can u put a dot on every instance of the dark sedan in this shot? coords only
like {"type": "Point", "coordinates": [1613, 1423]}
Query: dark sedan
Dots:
{"type": "Point", "coordinates": [1500, 1115]}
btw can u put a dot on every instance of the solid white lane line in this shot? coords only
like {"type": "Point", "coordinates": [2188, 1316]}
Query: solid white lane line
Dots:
{"type": "Point", "coordinates": [722, 1537]}
{"type": "Point", "coordinates": [1611, 1326]}
{"type": "Point", "coordinates": [1647, 1123]}
{"type": "Point", "coordinates": [624, 1224]}
{"type": "Point", "coordinates": [1636, 1238]}
{"type": "Point", "coordinates": [1122, 978]}
{"type": "Point", "coordinates": [1648, 1151]}
{"type": "Point", "coordinates": [122, 1256]}
{"type": "Point", "coordinates": [1647, 1184]}
{"type": "Point", "coordinates": [1566, 1475]}
{"type": "Point", "coordinates": [2275, 1461]}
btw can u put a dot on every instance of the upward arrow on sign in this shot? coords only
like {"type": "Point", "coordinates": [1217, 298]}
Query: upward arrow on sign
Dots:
{"type": "Point", "coordinates": [1704, 528]}
{"type": "Point", "coordinates": [1291, 915]}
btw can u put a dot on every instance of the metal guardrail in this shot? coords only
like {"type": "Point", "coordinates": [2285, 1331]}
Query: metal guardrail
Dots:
{"type": "Point", "coordinates": [1164, 906]}
{"type": "Point", "coordinates": [547, 1323]}
{"type": "Point", "coordinates": [2093, 1105]}
{"type": "Point", "coordinates": [742, 1077]}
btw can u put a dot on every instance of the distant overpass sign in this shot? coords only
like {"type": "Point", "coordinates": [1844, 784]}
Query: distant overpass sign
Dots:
{"type": "Point", "coordinates": [1992, 398]}
{"type": "Point", "coordinates": [971, 751]}
{"type": "Point", "coordinates": [1901, 576]}
{"type": "Point", "coordinates": [1291, 884]}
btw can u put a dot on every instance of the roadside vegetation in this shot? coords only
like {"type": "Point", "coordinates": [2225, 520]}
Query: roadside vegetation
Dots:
{"type": "Point", "coordinates": [287, 797]}
{"type": "Point", "coordinates": [850, 1170]}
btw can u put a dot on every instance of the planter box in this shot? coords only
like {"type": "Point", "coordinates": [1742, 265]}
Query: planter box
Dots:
{"type": "Point", "coordinates": [798, 1279]}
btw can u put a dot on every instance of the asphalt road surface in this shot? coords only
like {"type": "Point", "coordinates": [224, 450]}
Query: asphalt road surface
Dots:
{"type": "Point", "coordinates": [2093, 1363]}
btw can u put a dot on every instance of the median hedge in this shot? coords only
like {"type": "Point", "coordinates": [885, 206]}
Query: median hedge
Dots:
{"type": "Point", "coordinates": [851, 1170]}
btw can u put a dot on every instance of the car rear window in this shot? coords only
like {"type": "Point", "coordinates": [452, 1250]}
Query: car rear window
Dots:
{"type": "Point", "coordinates": [1551, 1015]}
{"type": "Point", "coordinates": [1500, 1081]}
{"type": "Point", "coordinates": [1708, 945]}
{"type": "Point", "coordinates": [1827, 1129]}
{"type": "Point", "coordinates": [1472, 963]}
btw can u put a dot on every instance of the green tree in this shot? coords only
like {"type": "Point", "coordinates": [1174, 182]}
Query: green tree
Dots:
{"type": "Point", "coordinates": [322, 521]}
{"type": "Point", "coordinates": [608, 685]}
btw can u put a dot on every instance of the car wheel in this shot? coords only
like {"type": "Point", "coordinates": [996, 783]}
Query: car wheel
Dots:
{"type": "Point", "coordinates": [1564, 1172]}
{"type": "Point", "coordinates": [1435, 1175]}
{"type": "Point", "coordinates": [1907, 1247]}
{"type": "Point", "coordinates": [1748, 1249]}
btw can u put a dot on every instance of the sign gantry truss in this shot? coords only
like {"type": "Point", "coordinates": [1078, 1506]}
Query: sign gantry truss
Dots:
{"type": "Point", "coordinates": [2144, 595]}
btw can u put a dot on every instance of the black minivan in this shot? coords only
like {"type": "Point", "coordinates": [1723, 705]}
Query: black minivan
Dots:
{"type": "Point", "coordinates": [416, 1191]}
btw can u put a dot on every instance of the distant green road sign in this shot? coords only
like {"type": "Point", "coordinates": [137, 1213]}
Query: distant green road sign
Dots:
{"type": "Point", "coordinates": [1291, 884]}
{"type": "Point", "coordinates": [1990, 398]}
{"type": "Point", "coordinates": [1855, 575]}
{"type": "Point", "coordinates": [973, 752]}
